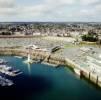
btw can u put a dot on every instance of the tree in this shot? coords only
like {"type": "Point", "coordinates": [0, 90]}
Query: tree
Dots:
{"type": "Point", "coordinates": [90, 38]}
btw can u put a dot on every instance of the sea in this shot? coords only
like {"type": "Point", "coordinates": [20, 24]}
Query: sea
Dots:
{"type": "Point", "coordinates": [44, 82]}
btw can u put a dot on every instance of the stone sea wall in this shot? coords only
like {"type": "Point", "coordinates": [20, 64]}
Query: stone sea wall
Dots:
{"type": "Point", "coordinates": [94, 78]}
{"type": "Point", "coordinates": [34, 55]}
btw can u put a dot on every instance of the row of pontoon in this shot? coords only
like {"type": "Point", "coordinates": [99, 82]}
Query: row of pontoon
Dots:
{"type": "Point", "coordinates": [9, 71]}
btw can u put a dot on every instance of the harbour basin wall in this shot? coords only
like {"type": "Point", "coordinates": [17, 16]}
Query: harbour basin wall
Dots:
{"type": "Point", "coordinates": [46, 57]}
{"type": "Point", "coordinates": [53, 59]}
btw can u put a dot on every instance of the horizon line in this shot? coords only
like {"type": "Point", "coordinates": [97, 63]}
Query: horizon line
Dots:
{"type": "Point", "coordinates": [50, 22]}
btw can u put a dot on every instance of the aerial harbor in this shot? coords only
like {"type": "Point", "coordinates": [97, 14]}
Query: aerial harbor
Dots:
{"type": "Point", "coordinates": [50, 50]}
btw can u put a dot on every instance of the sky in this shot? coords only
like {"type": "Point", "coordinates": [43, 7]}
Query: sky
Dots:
{"type": "Point", "coordinates": [50, 10]}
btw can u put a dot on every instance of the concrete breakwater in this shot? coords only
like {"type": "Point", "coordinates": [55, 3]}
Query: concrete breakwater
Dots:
{"type": "Point", "coordinates": [94, 78]}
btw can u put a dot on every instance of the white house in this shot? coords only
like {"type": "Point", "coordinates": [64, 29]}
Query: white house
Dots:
{"type": "Point", "coordinates": [36, 34]}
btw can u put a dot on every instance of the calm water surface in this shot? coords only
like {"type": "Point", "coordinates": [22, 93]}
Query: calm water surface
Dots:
{"type": "Point", "coordinates": [43, 82]}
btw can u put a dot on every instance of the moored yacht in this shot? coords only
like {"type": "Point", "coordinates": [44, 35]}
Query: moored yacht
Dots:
{"type": "Point", "coordinates": [2, 61]}
{"type": "Point", "coordinates": [5, 82]}
{"type": "Point", "coordinates": [9, 70]}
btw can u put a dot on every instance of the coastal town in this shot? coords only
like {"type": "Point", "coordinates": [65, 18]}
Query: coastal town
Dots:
{"type": "Point", "coordinates": [50, 49]}
{"type": "Point", "coordinates": [61, 29]}
{"type": "Point", "coordinates": [77, 45]}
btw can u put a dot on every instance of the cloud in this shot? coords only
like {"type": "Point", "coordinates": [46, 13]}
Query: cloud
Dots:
{"type": "Point", "coordinates": [59, 2]}
{"type": "Point", "coordinates": [98, 7]}
{"type": "Point", "coordinates": [46, 7]}
{"type": "Point", "coordinates": [50, 10]}
{"type": "Point", "coordinates": [7, 3]}
{"type": "Point", "coordinates": [88, 2]}
{"type": "Point", "coordinates": [7, 11]}
{"type": "Point", "coordinates": [87, 12]}
{"type": "Point", "coordinates": [7, 8]}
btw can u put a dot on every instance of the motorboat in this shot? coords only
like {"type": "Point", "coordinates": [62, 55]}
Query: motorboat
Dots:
{"type": "Point", "coordinates": [2, 61]}
{"type": "Point", "coordinates": [5, 82]}
{"type": "Point", "coordinates": [9, 70]}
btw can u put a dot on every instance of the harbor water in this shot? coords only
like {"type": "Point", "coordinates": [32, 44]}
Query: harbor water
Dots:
{"type": "Point", "coordinates": [44, 82]}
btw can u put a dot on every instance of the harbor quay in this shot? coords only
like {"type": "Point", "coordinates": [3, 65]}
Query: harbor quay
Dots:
{"type": "Point", "coordinates": [84, 59]}
{"type": "Point", "coordinates": [55, 60]}
{"type": "Point", "coordinates": [83, 72]}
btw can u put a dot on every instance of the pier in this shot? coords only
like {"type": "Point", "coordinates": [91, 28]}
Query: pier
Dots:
{"type": "Point", "coordinates": [84, 72]}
